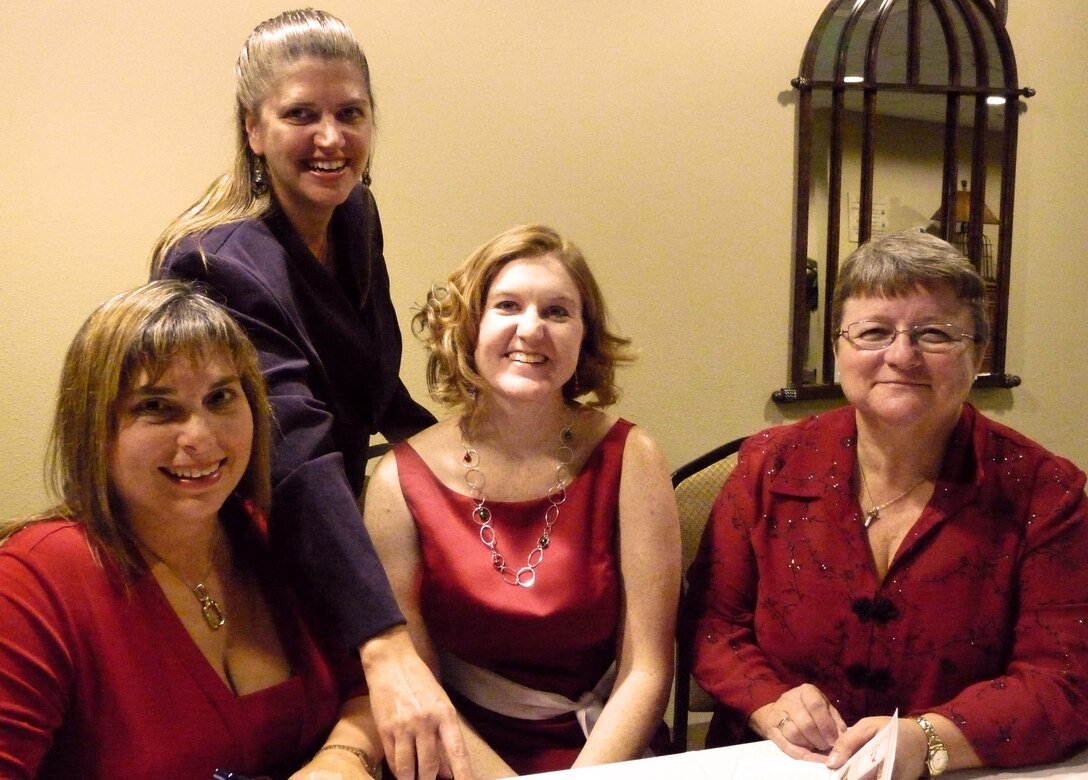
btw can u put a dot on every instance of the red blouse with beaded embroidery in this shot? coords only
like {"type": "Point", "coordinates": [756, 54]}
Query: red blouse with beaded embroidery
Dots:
{"type": "Point", "coordinates": [982, 616]}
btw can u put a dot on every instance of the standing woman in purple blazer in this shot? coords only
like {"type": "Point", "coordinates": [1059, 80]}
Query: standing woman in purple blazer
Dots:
{"type": "Point", "coordinates": [290, 241]}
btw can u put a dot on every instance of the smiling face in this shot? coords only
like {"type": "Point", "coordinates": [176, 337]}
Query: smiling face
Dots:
{"type": "Point", "coordinates": [531, 329]}
{"type": "Point", "coordinates": [314, 131]}
{"type": "Point", "coordinates": [182, 443]}
{"type": "Point", "coordinates": [901, 385]}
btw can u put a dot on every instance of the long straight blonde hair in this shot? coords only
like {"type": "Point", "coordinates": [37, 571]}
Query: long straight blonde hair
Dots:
{"type": "Point", "coordinates": [274, 44]}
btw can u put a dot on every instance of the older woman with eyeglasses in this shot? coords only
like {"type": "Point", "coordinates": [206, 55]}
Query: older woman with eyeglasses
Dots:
{"type": "Point", "coordinates": [901, 553]}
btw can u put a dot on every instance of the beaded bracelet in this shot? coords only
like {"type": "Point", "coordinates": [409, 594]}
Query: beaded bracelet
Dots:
{"type": "Point", "coordinates": [371, 769]}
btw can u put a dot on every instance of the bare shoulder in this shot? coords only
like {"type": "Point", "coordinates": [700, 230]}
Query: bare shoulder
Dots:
{"type": "Point", "coordinates": [648, 518]}
{"type": "Point", "coordinates": [591, 425]}
{"type": "Point", "coordinates": [645, 485]}
{"type": "Point", "coordinates": [642, 451]}
{"type": "Point", "coordinates": [439, 447]}
{"type": "Point", "coordinates": [437, 435]}
{"type": "Point", "coordinates": [432, 445]}
{"type": "Point", "coordinates": [382, 490]}
{"type": "Point", "coordinates": [388, 519]}
{"type": "Point", "coordinates": [382, 475]}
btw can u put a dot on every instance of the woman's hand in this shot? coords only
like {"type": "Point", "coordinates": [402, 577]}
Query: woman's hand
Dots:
{"type": "Point", "coordinates": [802, 722]}
{"type": "Point", "coordinates": [911, 746]}
{"type": "Point", "coordinates": [419, 727]}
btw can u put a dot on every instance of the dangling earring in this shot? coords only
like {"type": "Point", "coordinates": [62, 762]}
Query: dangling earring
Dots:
{"type": "Point", "coordinates": [366, 175]}
{"type": "Point", "coordinates": [260, 186]}
{"type": "Point", "coordinates": [575, 389]}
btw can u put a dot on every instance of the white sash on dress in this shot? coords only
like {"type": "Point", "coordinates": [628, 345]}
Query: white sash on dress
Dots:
{"type": "Point", "coordinates": [499, 694]}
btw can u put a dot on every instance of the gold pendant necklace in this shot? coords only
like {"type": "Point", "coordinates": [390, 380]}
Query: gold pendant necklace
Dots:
{"type": "Point", "coordinates": [872, 514]}
{"type": "Point", "coordinates": [524, 577]}
{"type": "Point", "coordinates": [213, 614]}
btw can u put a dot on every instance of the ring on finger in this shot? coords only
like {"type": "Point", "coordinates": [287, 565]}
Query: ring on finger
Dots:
{"type": "Point", "coordinates": [786, 719]}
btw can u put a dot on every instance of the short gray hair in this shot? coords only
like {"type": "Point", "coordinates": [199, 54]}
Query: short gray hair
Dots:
{"type": "Point", "coordinates": [895, 264]}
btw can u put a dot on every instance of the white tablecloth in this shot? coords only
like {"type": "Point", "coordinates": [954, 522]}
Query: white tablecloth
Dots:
{"type": "Point", "coordinates": [764, 761]}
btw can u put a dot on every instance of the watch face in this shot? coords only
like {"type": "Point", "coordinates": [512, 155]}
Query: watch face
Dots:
{"type": "Point", "coordinates": [938, 760]}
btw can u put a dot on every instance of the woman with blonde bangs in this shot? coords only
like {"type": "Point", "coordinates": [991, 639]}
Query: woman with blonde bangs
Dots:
{"type": "Point", "coordinates": [290, 240]}
{"type": "Point", "coordinates": [532, 538]}
{"type": "Point", "coordinates": [139, 333]}
{"type": "Point", "coordinates": [141, 610]}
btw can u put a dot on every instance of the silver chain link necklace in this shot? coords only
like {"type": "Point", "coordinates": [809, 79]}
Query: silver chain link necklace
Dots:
{"type": "Point", "coordinates": [524, 577]}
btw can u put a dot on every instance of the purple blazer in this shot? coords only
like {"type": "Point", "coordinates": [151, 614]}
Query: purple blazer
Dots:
{"type": "Point", "coordinates": [330, 351]}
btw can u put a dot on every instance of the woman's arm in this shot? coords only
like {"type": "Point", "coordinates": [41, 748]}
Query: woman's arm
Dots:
{"type": "Point", "coordinates": [1033, 713]}
{"type": "Point", "coordinates": [35, 664]}
{"type": "Point", "coordinates": [722, 585]}
{"type": "Point", "coordinates": [394, 534]}
{"type": "Point", "coordinates": [1037, 711]}
{"type": "Point", "coordinates": [911, 745]}
{"type": "Point", "coordinates": [649, 558]}
{"type": "Point", "coordinates": [728, 661]}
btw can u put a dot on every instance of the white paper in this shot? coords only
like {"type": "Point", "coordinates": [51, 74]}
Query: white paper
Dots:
{"type": "Point", "coordinates": [875, 760]}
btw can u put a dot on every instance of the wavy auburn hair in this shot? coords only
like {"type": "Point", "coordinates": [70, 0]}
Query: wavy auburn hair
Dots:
{"type": "Point", "coordinates": [449, 322]}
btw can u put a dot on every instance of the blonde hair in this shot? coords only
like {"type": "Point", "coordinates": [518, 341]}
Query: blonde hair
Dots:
{"type": "Point", "coordinates": [273, 45]}
{"type": "Point", "coordinates": [138, 333]}
{"type": "Point", "coordinates": [449, 322]}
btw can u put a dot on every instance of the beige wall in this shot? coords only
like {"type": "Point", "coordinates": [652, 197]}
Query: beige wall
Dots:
{"type": "Point", "coordinates": [659, 136]}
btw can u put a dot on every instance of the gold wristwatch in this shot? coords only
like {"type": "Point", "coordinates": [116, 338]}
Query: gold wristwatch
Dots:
{"type": "Point", "coordinates": [937, 758]}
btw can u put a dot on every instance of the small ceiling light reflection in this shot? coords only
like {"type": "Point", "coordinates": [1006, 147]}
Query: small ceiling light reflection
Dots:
{"type": "Point", "coordinates": [855, 80]}
{"type": "Point", "coordinates": [995, 100]}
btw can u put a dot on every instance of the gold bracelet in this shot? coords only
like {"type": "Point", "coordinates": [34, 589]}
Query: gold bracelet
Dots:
{"type": "Point", "coordinates": [368, 765]}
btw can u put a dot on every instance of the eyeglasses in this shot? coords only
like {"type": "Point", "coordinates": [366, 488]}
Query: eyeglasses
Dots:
{"type": "Point", "coordinates": [872, 335]}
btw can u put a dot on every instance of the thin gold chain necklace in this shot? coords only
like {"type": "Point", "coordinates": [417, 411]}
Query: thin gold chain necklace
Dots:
{"type": "Point", "coordinates": [525, 576]}
{"type": "Point", "coordinates": [872, 514]}
{"type": "Point", "coordinates": [213, 614]}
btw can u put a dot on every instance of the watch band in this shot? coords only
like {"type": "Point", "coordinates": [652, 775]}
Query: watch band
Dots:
{"type": "Point", "coordinates": [937, 753]}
